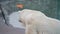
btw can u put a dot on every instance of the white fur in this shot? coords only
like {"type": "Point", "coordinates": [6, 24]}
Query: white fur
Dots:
{"type": "Point", "coordinates": [38, 23]}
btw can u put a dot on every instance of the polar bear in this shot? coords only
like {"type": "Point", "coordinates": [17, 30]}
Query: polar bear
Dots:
{"type": "Point", "coordinates": [37, 22]}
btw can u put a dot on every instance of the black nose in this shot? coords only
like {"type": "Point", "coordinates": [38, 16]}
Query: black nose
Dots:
{"type": "Point", "coordinates": [20, 21]}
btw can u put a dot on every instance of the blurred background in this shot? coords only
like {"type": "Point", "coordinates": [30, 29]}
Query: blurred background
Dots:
{"type": "Point", "coordinates": [49, 7]}
{"type": "Point", "coordinates": [7, 7]}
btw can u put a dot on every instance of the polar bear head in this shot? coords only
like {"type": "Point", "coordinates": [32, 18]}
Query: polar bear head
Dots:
{"type": "Point", "coordinates": [27, 16]}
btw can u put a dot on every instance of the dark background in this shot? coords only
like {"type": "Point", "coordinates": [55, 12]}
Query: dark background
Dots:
{"type": "Point", "coordinates": [49, 7]}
